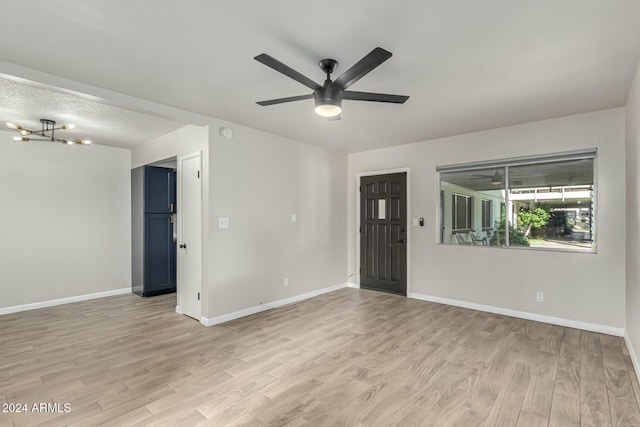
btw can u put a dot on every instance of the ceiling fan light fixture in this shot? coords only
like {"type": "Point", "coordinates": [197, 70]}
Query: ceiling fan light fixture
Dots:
{"type": "Point", "coordinates": [328, 109]}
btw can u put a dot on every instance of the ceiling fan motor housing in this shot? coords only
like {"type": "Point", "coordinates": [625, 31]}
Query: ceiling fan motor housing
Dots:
{"type": "Point", "coordinates": [328, 95]}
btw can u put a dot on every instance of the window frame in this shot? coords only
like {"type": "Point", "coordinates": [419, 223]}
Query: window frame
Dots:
{"type": "Point", "coordinates": [518, 161]}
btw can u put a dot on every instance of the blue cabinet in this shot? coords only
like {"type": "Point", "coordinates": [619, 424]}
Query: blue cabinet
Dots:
{"type": "Point", "coordinates": [153, 201]}
{"type": "Point", "coordinates": [159, 190]}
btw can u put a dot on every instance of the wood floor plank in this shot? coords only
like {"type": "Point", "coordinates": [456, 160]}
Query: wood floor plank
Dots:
{"type": "Point", "coordinates": [538, 399]}
{"type": "Point", "coordinates": [622, 401]}
{"type": "Point", "coordinates": [506, 408]}
{"type": "Point", "coordinates": [528, 419]}
{"type": "Point", "coordinates": [611, 354]}
{"type": "Point", "coordinates": [350, 357]}
{"type": "Point", "coordinates": [594, 399]}
{"type": "Point", "coordinates": [565, 403]}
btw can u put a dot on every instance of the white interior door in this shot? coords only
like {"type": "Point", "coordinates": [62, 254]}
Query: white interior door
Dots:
{"type": "Point", "coordinates": [190, 235]}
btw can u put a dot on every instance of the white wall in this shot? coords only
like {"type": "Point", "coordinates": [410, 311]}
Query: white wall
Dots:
{"type": "Point", "coordinates": [258, 181]}
{"type": "Point", "coordinates": [633, 219]}
{"type": "Point", "coordinates": [188, 139]}
{"type": "Point", "coordinates": [577, 286]}
{"type": "Point", "coordinates": [65, 217]}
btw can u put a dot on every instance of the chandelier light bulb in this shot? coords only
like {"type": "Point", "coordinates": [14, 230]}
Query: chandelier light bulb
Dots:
{"type": "Point", "coordinates": [69, 126]}
{"type": "Point", "coordinates": [20, 139]}
{"type": "Point", "coordinates": [69, 142]}
{"type": "Point", "coordinates": [11, 125]}
{"type": "Point", "coordinates": [86, 142]}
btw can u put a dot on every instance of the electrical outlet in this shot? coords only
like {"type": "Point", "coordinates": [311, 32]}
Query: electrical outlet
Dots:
{"type": "Point", "coordinates": [540, 297]}
{"type": "Point", "coordinates": [286, 281]}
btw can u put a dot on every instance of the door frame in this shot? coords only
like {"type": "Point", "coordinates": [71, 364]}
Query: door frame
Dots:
{"type": "Point", "coordinates": [409, 223]}
{"type": "Point", "coordinates": [179, 236]}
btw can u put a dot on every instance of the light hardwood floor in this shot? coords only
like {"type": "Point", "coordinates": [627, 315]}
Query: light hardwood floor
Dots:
{"type": "Point", "coordinates": [351, 357]}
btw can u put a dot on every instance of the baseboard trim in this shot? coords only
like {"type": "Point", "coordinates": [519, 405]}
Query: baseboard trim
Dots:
{"type": "Point", "coordinates": [61, 301]}
{"type": "Point", "coordinates": [632, 354]}
{"type": "Point", "coordinates": [353, 285]}
{"type": "Point", "coordinates": [178, 309]}
{"type": "Point", "coordinates": [268, 306]}
{"type": "Point", "coordinates": [593, 327]}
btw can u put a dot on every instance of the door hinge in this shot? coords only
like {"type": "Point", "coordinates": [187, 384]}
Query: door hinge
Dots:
{"type": "Point", "coordinates": [198, 296]}
{"type": "Point", "coordinates": [198, 174]}
{"type": "Point", "coordinates": [171, 219]}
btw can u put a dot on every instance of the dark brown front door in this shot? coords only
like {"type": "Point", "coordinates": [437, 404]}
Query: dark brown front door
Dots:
{"type": "Point", "coordinates": [383, 233]}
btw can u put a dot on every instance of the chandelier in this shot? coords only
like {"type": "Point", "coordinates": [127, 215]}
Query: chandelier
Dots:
{"type": "Point", "coordinates": [47, 133]}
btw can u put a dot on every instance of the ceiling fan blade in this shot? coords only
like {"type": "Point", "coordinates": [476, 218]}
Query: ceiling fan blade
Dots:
{"type": "Point", "coordinates": [376, 97]}
{"type": "Point", "coordinates": [287, 71]}
{"type": "Point", "coordinates": [376, 57]}
{"type": "Point", "coordinates": [283, 100]}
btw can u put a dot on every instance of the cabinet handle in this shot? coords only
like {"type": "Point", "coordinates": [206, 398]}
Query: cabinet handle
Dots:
{"type": "Point", "coordinates": [170, 207]}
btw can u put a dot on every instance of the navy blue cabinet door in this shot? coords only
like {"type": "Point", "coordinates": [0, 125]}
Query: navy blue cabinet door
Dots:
{"type": "Point", "coordinates": [159, 254]}
{"type": "Point", "coordinates": [159, 190]}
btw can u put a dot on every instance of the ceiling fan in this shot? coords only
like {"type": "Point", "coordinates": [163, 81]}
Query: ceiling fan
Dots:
{"type": "Point", "coordinates": [496, 179]}
{"type": "Point", "coordinates": [328, 97]}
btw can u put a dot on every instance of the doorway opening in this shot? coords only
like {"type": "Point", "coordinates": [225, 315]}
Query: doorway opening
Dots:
{"type": "Point", "coordinates": [153, 228]}
{"type": "Point", "coordinates": [167, 231]}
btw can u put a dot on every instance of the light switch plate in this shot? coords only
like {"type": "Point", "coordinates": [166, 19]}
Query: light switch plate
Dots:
{"type": "Point", "coordinates": [294, 218]}
{"type": "Point", "coordinates": [223, 222]}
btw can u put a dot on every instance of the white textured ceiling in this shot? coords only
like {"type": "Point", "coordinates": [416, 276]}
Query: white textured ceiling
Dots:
{"type": "Point", "coordinates": [468, 65]}
{"type": "Point", "coordinates": [26, 104]}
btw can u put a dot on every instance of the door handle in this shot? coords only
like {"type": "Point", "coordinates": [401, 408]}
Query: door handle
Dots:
{"type": "Point", "coordinates": [401, 241]}
{"type": "Point", "coordinates": [183, 246]}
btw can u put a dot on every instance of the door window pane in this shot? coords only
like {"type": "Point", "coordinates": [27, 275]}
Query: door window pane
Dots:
{"type": "Point", "coordinates": [382, 208]}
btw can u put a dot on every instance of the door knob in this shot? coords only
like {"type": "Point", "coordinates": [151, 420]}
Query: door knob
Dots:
{"type": "Point", "coordinates": [401, 241]}
{"type": "Point", "coordinates": [183, 246]}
